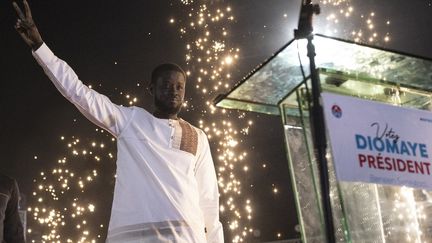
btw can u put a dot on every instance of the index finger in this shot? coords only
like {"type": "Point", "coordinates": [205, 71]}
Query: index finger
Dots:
{"type": "Point", "coordinates": [18, 10]}
{"type": "Point", "coordinates": [27, 9]}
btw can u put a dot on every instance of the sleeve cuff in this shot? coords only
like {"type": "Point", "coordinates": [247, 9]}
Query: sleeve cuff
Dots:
{"type": "Point", "coordinates": [43, 53]}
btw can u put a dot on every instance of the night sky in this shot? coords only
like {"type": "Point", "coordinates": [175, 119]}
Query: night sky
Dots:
{"type": "Point", "coordinates": [114, 45]}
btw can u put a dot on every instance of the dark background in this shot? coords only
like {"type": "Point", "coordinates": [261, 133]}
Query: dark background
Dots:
{"type": "Point", "coordinates": [114, 45]}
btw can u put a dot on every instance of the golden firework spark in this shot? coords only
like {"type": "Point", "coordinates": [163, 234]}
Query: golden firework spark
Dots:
{"type": "Point", "coordinates": [343, 18]}
{"type": "Point", "coordinates": [210, 60]}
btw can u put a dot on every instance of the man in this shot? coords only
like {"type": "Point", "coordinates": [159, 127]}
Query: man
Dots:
{"type": "Point", "coordinates": [166, 188]}
{"type": "Point", "coordinates": [11, 229]}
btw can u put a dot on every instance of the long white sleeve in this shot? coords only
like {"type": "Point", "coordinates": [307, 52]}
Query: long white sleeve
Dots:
{"type": "Point", "coordinates": [209, 194]}
{"type": "Point", "coordinates": [96, 107]}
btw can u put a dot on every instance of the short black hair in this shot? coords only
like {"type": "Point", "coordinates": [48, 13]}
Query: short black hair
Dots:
{"type": "Point", "coordinates": [165, 67]}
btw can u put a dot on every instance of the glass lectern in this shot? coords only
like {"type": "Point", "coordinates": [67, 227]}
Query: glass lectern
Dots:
{"type": "Point", "coordinates": [362, 212]}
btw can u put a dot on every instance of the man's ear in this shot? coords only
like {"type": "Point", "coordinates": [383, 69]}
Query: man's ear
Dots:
{"type": "Point", "coordinates": [150, 89]}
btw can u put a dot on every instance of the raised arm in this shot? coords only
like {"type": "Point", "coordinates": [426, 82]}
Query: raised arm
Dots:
{"type": "Point", "coordinates": [96, 107]}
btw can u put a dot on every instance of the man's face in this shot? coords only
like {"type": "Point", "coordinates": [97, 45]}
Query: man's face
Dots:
{"type": "Point", "coordinates": [169, 92]}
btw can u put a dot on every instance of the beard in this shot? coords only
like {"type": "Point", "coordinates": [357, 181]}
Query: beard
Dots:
{"type": "Point", "coordinates": [167, 107]}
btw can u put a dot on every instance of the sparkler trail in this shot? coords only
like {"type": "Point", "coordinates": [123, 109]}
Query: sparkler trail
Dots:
{"type": "Point", "coordinates": [65, 201]}
{"type": "Point", "coordinates": [210, 59]}
{"type": "Point", "coordinates": [343, 18]}
{"type": "Point", "coordinates": [63, 210]}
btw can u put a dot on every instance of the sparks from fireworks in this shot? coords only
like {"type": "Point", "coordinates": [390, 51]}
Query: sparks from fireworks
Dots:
{"type": "Point", "coordinates": [59, 209]}
{"type": "Point", "coordinates": [339, 13]}
{"type": "Point", "coordinates": [62, 208]}
{"type": "Point", "coordinates": [210, 59]}
{"type": "Point", "coordinates": [342, 18]}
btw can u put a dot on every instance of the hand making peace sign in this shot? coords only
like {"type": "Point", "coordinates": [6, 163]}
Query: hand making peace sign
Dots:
{"type": "Point", "coordinates": [26, 26]}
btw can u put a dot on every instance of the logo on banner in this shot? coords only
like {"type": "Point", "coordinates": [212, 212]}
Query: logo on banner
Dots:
{"type": "Point", "coordinates": [336, 111]}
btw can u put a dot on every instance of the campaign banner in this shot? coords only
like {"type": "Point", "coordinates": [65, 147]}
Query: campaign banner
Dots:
{"type": "Point", "coordinates": [379, 143]}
